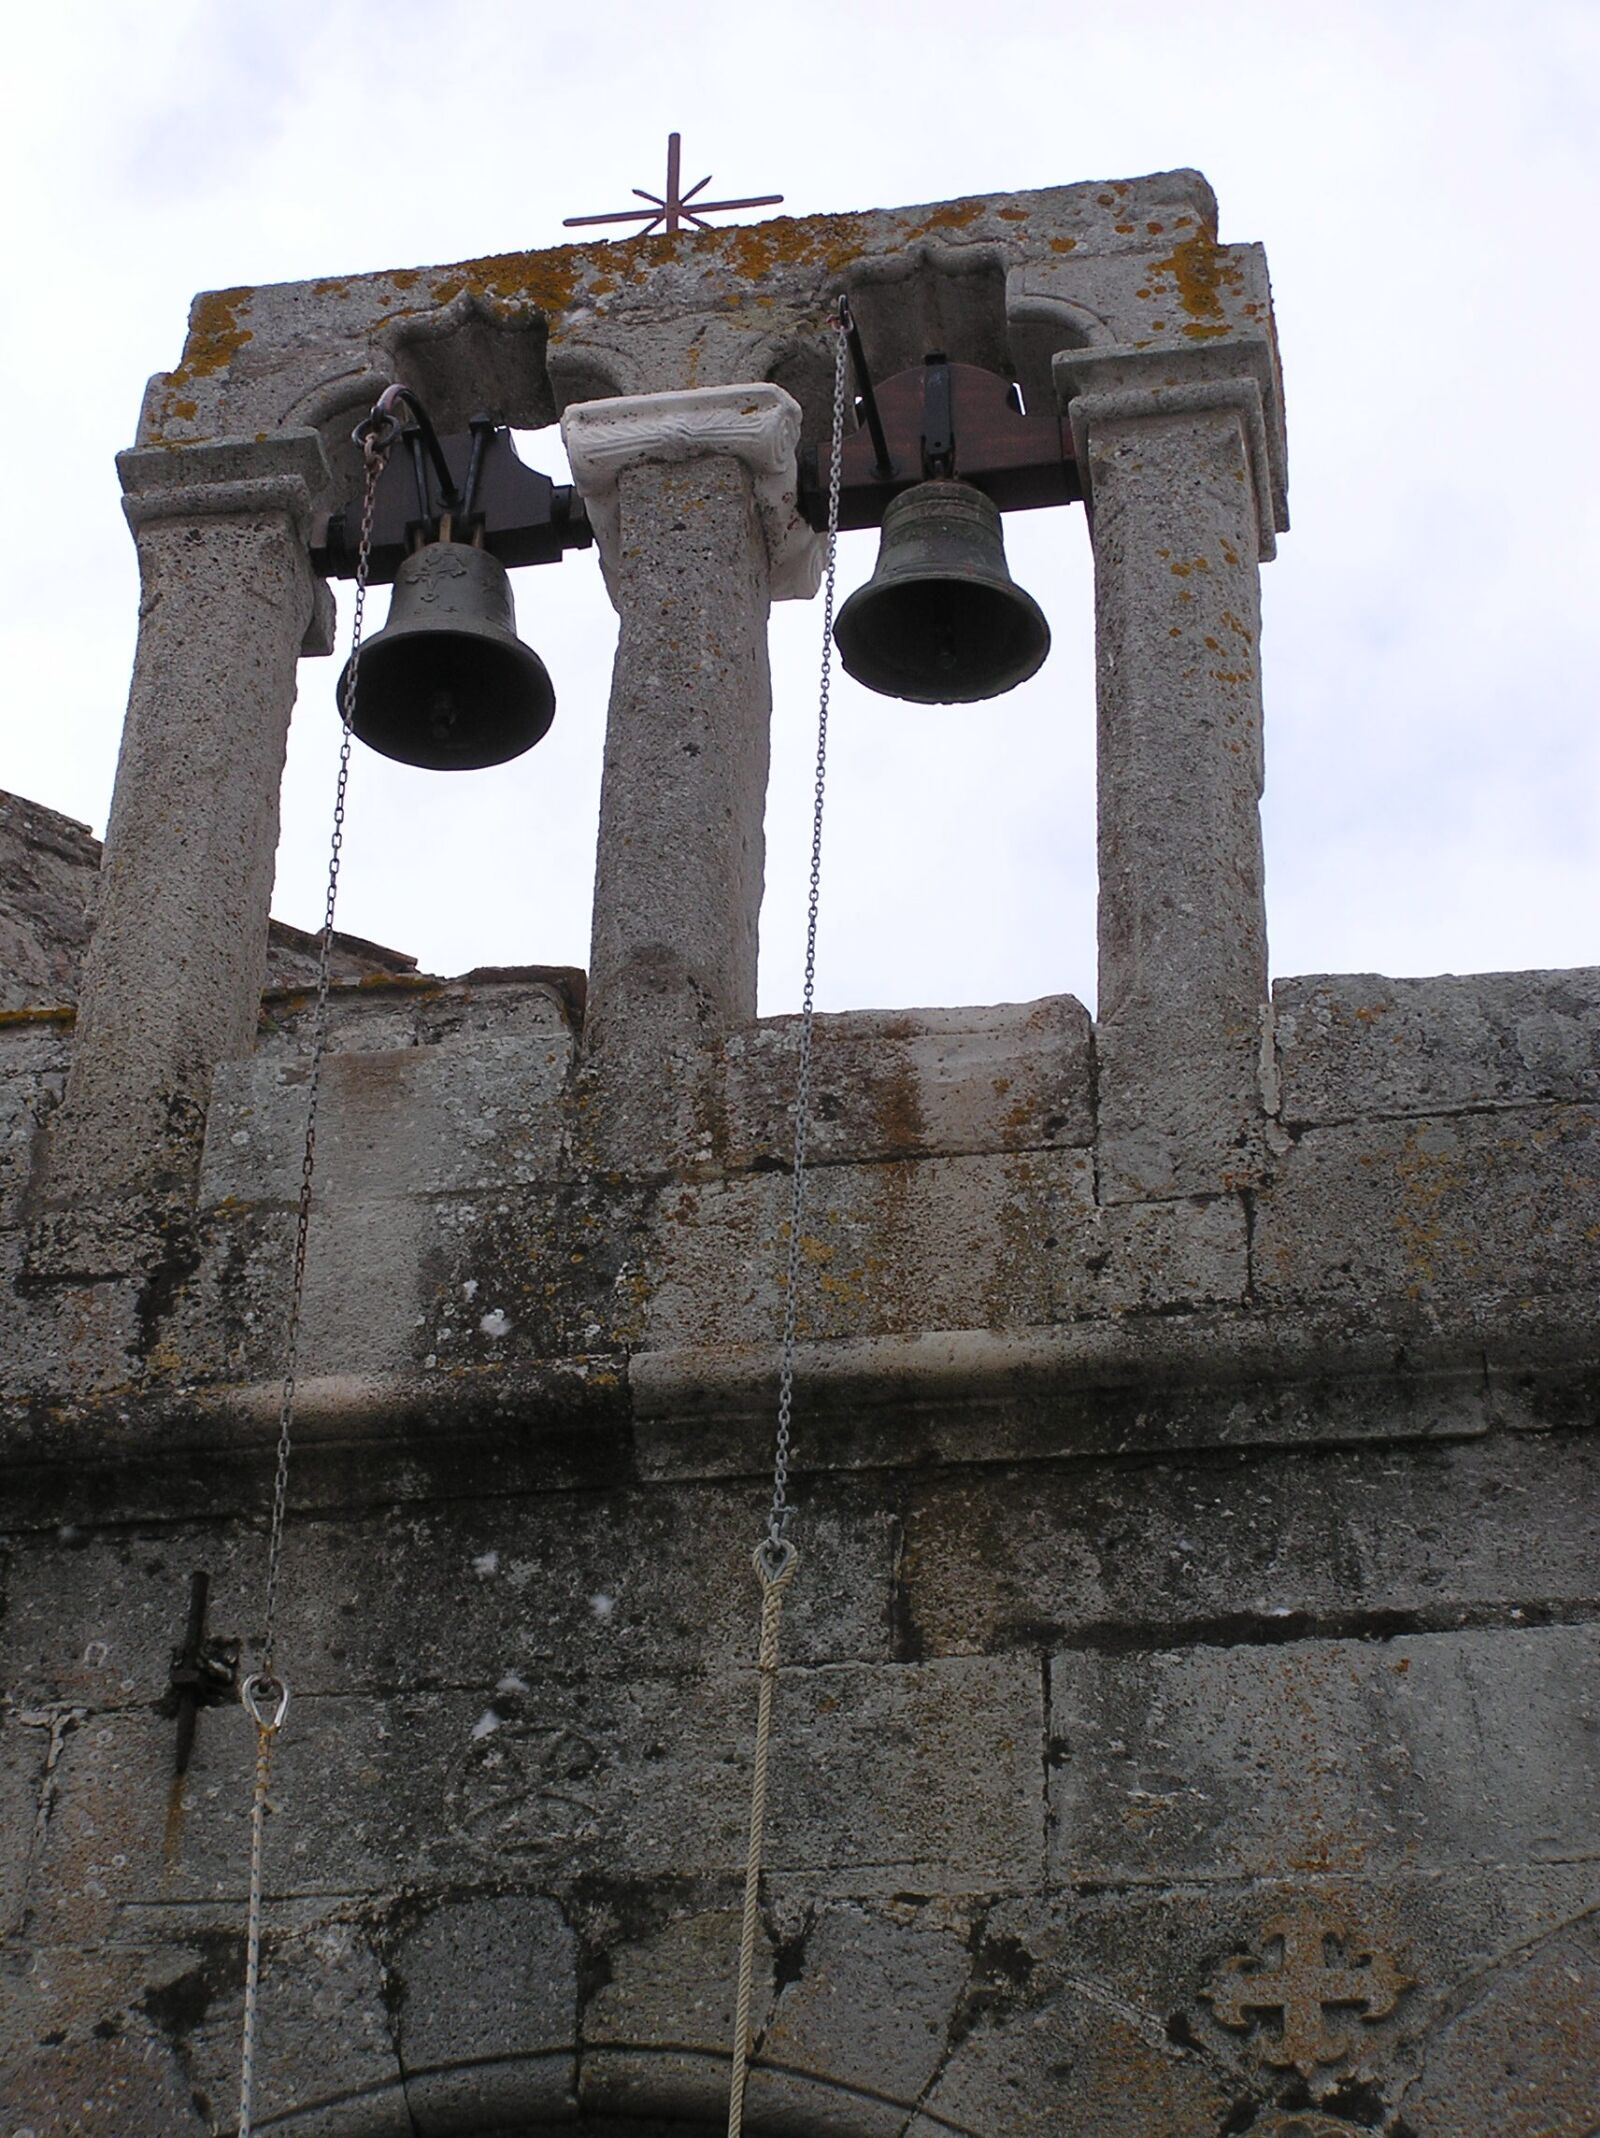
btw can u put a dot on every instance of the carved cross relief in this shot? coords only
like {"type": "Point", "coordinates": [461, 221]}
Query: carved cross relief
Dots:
{"type": "Point", "coordinates": [1318, 1969]}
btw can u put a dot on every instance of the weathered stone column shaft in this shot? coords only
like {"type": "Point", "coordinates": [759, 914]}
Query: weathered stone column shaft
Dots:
{"type": "Point", "coordinates": [1177, 529]}
{"type": "Point", "coordinates": [173, 979]}
{"type": "Point", "coordinates": [693, 499]}
{"type": "Point", "coordinates": [678, 874]}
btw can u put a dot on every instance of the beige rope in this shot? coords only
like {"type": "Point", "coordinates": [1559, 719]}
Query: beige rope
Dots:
{"type": "Point", "coordinates": [266, 1731]}
{"type": "Point", "coordinates": [775, 1570]}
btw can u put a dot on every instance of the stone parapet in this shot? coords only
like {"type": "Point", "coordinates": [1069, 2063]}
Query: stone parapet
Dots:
{"type": "Point", "coordinates": [964, 1243]}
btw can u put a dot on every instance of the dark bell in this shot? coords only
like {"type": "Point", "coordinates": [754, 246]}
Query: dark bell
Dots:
{"type": "Point", "coordinates": [941, 621]}
{"type": "Point", "coordinates": [447, 683]}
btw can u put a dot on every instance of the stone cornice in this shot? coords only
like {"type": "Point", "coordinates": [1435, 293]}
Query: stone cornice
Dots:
{"type": "Point", "coordinates": [231, 477]}
{"type": "Point", "coordinates": [1101, 386]}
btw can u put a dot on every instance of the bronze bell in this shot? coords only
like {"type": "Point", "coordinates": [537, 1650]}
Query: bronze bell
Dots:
{"type": "Point", "coordinates": [941, 621]}
{"type": "Point", "coordinates": [447, 683]}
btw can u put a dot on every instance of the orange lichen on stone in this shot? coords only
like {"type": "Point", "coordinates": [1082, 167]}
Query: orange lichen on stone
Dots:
{"type": "Point", "coordinates": [1013, 215]}
{"type": "Point", "coordinates": [215, 335]}
{"type": "Point", "coordinates": [754, 250]}
{"type": "Point", "coordinates": [548, 279]}
{"type": "Point", "coordinates": [1202, 271]}
{"type": "Point", "coordinates": [1063, 244]}
{"type": "Point", "coordinates": [954, 215]}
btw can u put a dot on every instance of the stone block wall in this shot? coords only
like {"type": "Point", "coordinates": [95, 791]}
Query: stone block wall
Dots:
{"type": "Point", "coordinates": [1170, 1572]}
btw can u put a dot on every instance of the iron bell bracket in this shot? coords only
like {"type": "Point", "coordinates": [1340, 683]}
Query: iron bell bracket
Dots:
{"type": "Point", "coordinates": [938, 421]}
{"type": "Point", "coordinates": [475, 482]}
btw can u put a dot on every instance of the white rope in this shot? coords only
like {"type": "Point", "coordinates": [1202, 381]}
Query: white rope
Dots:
{"type": "Point", "coordinates": [775, 1557]}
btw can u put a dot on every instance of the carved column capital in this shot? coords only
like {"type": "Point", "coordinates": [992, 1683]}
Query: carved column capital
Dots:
{"type": "Point", "coordinates": [284, 472]}
{"type": "Point", "coordinates": [757, 425]}
{"type": "Point", "coordinates": [1098, 388]}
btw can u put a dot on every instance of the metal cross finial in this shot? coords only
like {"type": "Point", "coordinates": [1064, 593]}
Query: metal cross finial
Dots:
{"type": "Point", "coordinates": [674, 210]}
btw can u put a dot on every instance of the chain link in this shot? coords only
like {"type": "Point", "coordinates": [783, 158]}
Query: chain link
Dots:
{"type": "Point", "coordinates": [264, 1693]}
{"type": "Point", "coordinates": [375, 452]}
{"type": "Point", "coordinates": [778, 1519]}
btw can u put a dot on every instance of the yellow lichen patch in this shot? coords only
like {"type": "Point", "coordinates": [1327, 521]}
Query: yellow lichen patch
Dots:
{"type": "Point", "coordinates": [186, 411]}
{"type": "Point", "coordinates": [1013, 215]}
{"type": "Point", "coordinates": [1430, 1171]}
{"type": "Point", "coordinates": [1204, 333]}
{"type": "Point", "coordinates": [405, 278]}
{"type": "Point", "coordinates": [335, 288]}
{"type": "Point", "coordinates": [215, 336]}
{"type": "Point", "coordinates": [753, 251]}
{"type": "Point", "coordinates": [1063, 244]}
{"type": "Point", "coordinates": [954, 215]}
{"type": "Point", "coordinates": [1201, 271]}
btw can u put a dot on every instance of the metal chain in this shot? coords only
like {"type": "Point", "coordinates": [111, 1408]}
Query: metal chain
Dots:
{"type": "Point", "coordinates": [778, 1519]}
{"type": "Point", "coordinates": [775, 1556]}
{"type": "Point", "coordinates": [264, 1693]}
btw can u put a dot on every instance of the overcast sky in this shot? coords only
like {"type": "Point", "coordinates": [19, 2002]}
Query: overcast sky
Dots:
{"type": "Point", "coordinates": [1422, 174]}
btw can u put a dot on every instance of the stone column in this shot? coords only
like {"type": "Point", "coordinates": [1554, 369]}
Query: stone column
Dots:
{"type": "Point", "coordinates": [176, 964]}
{"type": "Point", "coordinates": [692, 496]}
{"type": "Point", "coordinates": [1174, 452]}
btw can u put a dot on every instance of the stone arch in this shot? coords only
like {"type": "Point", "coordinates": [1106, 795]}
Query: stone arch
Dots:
{"type": "Point", "coordinates": [529, 2097]}
{"type": "Point", "coordinates": [1518, 2048]}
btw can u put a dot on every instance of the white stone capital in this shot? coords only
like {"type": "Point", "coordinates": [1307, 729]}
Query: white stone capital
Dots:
{"type": "Point", "coordinates": [1097, 387]}
{"type": "Point", "coordinates": [759, 425]}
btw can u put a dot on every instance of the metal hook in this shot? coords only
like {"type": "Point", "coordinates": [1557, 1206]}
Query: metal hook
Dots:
{"type": "Point", "coordinates": [869, 399]}
{"type": "Point", "coordinates": [775, 1558]}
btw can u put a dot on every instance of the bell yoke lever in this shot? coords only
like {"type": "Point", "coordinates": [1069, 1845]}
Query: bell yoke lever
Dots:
{"type": "Point", "coordinates": [447, 684]}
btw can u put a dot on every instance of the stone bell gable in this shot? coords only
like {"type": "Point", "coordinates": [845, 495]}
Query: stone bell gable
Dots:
{"type": "Point", "coordinates": [1187, 1718]}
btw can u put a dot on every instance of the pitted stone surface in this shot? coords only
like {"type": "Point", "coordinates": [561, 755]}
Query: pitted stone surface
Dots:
{"type": "Point", "coordinates": [915, 1084]}
{"type": "Point", "coordinates": [1481, 1212]}
{"type": "Point", "coordinates": [1432, 1751]}
{"type": "Point", "coordinates": [1356, 1045]}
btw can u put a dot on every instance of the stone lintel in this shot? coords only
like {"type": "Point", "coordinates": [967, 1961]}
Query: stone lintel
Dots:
{"type": "Point", "coordinates": [757, 425]}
